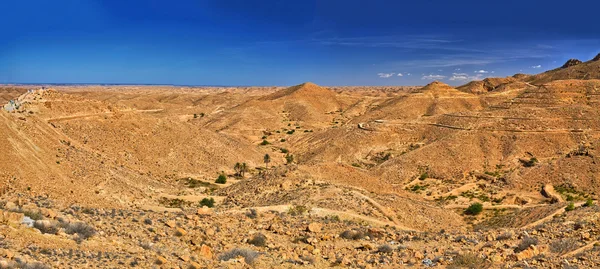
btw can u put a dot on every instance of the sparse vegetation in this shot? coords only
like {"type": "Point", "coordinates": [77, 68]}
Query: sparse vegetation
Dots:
{"type": "Point", "coordinates": [289, 158]}
{"type": "Point", "coordinates": [208, 202]}
{"type": "Point", "coordinates": [424, 176]}
{"type": "Point", "coordinates": [264, 142]}
{"type": "Point", "coordinates": [259, 240]}
{"type": "Point", "coordinates": [589, 202]}
{"type": "Point", "coordinates": [267, 160]}
{"type": "Point", "coordinates": [297, 210]}
{"type": "Point", "coordinates": [221, 179]}
{"type": "Point", "coordinates": [525, 243]}
{"type": "Point", "coordinates": [82, 230]}
{"type": "Point", "coordinates": [563, 245]}
{"type": "Point", "coordinates": [530, 163]}
{"type": "Point", "coordinates": [468, 260]}
{"type": "Point", "coordinates": [570, 207]}
{"type": "Point", "coordinates": [249, 255]}
{"type": "Point", "coordinates": [34, 215]}
{"type": "Point", "coordinates": [385, 249]}
{"type": "Point", "coordinates": [252, 213]}
{"type": "Point", "coordinates": [504, 236]}
{"type": "Point", "coordinates": [474, 209]}
{"type": "Point", "coordinates": [352, 235]}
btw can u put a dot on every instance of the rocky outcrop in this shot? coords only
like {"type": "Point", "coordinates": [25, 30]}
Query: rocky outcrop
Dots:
{"type": "Point", "coordinates": [597, 58]}
{"type": "Point", "coordinates": [571, 62]}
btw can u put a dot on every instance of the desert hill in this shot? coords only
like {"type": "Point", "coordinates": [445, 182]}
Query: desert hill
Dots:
{"type": "Point", "coordinates": [434, 99]}
{"type": "Point", "coordinates": [486, 85]}
{"type": "Point", "coordinates": [572, 69]}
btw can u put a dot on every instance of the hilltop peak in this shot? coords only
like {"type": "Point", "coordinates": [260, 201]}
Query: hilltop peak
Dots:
{"type": "Point", "coordinates": [437, 84]}
{"type": "Point", "coordinates": [597, 58]}
{"type": "Point", "coordinates": [308, 84]}
{"type": "Point", "coordinates": [571, 62]}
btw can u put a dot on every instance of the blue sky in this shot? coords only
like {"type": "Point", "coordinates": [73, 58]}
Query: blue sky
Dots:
{"type": "Point", "coordinates": [287, 42]}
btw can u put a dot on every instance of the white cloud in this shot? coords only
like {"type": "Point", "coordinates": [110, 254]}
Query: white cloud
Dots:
{"type": "Point", "coordinates": [457, 69]}
{"type": "Point", "coordinates": [465, 77]}
{"type": "Point", "coordinates": [400, 75]}
{"type": "Point", "coordinates": [481, 71]}
{"type": "Point", "coordinates": [459, 77]}
{"type": "Point", "coordinates": [385, 75]}
{"type": "Point", "coordinates": [537, 66]}
{"type": "Point", "coordinates": [409, 74]}
{"type": "Point", "coordinates": [433, 77]}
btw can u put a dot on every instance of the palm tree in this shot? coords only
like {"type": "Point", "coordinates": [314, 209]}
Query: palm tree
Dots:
{"type": "Point", "coordinates": [243, 169]}
{"type": "Point", "coordinates": [267, 160]}
{"type": "Point", "coordinates": [238, 169]}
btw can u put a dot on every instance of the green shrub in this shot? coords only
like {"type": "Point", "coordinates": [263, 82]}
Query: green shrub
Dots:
{"type": "Point", "coordinates": [259, 240]}
{"type": "Point", "coordinates": [289, 158]}
{"type": "Point", "coordinates": [424, 176]}
{"type": "Point", "coordinates": [222, 179]}
{"type": "Point", "coordinates": [474, 209]}
{"type": "Point", "coordinates": [468, 260]}
{"type": "Point", "coordinates": [570, 207]}
{"type": "Point", "coordinates": [283, 150]}
{"type": "Point", "coordinates": [589, 202]}
{"type": "Point", "coordinates": [282, 140]}
{"type": "Point", "coordinates": [298, 210]}
{"type": "Point", "coordinates": [208, 202]}
{"type": "Point", "coordinates": [264, 142]}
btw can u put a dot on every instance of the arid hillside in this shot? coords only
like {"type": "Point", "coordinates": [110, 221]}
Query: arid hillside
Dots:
{"type": "Point", "coordinates": [497, 173]}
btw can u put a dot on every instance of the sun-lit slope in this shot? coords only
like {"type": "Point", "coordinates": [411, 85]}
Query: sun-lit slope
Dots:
{"type": "Point", "coordinates": [541, 122]}
{"type": "Point", "coordinates": [486, 85]}
{"type": "Point", "coordinates": [10, 92]}
{"type": "Point", "coordinates": [312, 105]}
{"type": "Point", "coordinates": [148, 141]}
{"type": "Point", "coordinates": [573, 69]}
{"type": "Point", "coordinates": [38, 158]}
{"type": "Point", "coordinates": [434, 99]}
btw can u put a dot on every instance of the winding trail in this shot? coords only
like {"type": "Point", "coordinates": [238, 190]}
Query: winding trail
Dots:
{"type": "Point", "coordinates": [323, 212]}
{"type": "Point", "coordinates": [57, 119]}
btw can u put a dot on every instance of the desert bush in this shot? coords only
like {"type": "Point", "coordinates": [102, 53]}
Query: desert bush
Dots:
{"type": "Point", "coordinates": [34, 215]}
{"type": "Point", "coordinates": [385, 249]}
{"type": "Point", "coordinates": [259, 240]}
{"type": "Point", "coordinates": [562, 246]}
{"type": "Point", "coordinates": [424, 176]}
{"type": "Point", "coordinates": [297, 210]}
{"type": "Point", "coordinates": [248, 254]}
{"type": "Point", "coordinates": [284, 150]}
{"type": "Point", "coordinates": [289, 158]}
{"type": "Point", "coordinates": [46, 227]}
{"type": "Point", "coordinates": [468, 260]}
{"type": "Point", "coordinates": [27, 265]}
{"type": "Point", "coordinates": [352, 235]}
{"type": "Point", "coordinates": [570, 207]}
{"type": "Point", "coordinates": [222, 179]}
{"type": "Point", "coordinates": [474, 209]}
{"type": "Point", "coordinates": [264, 142]}
{"type": "Point", "coordinates": [525, 243]}
{"type": "Point", "coordinates": [208, 202]}
{"type": "Point", "coordinates": [504, 236]}
{"type": "Point", "coordinates": [589, 202]}
{"type": "Point", "coordinates": [252, 213]}
{"type": "Point", "coordinates": [530, 163]}
{"type": "Point", "coordinates": [83, 230]}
